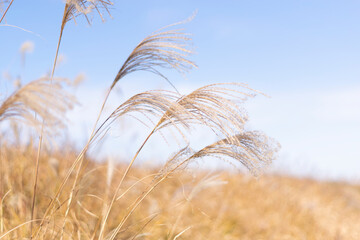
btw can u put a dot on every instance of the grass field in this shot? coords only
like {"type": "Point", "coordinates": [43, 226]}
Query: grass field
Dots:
{"type": "Point", "coordinates": [192, 204]}
{"type": "Point", "coordinates": [52, 190]}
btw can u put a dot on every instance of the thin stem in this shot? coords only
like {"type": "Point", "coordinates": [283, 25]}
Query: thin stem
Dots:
{"type": "Point", "coordinates": [35, 183]}
{"type": "Point", "coordinates": [17, 227]}
{"type": "Point", "coordinates": [6, 10]}
{"type": "Point", "coordinates": [70, 199]}
{"type": "Point", "coordinates": [63, 22]}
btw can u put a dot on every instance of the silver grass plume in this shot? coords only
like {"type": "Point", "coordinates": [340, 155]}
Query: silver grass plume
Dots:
{"type": "Point", "coordinates": [149, 105]}
{"type": "Point", "coordinates": [164, 49]}
{"type": "Point", "coordinates": [252, 149]}
{"type": "Point", "coordinates": [217, 106]}
{"type": "Point", "coordinates": [40, 98]}
{"type": "Point", "coordinates": [74, 8]}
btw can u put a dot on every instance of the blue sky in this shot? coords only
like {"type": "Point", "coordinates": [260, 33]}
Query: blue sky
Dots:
{"type": "Point", "coordinates": [304, 54]}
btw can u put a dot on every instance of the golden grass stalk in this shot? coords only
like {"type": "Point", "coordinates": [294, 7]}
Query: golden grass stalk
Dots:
{"type": "Point", "coordinates": [6, 10]}
{"type": "Point", "coordinates": [37, 163]}
{"type": "Point", "coordinates": [17, 227]}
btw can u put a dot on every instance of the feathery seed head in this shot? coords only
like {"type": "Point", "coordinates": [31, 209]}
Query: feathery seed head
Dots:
{"type": "Point", "coordinates": [48, 101]}
{"type": "Point", "coordinates": [162, 49]}
{"type": "Point", "coordinates": [251, 149]}
{"type": "Point", "coordinates": [217, 106]}
{"type": "Point", "coordinates": [74, 8]}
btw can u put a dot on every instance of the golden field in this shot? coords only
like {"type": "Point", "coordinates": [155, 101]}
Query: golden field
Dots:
{"type": "Point", "coordinates": [190, 204]}
{"type": "Point", "coordinates": [51, 190]}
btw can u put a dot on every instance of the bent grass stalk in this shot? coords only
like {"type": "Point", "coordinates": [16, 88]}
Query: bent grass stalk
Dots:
{"type": "Point", "coordinates": [19, 226]}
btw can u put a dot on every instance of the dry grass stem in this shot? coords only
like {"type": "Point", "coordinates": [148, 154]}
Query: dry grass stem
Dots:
{"type": "Point", "coordinates": [6, 10]}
